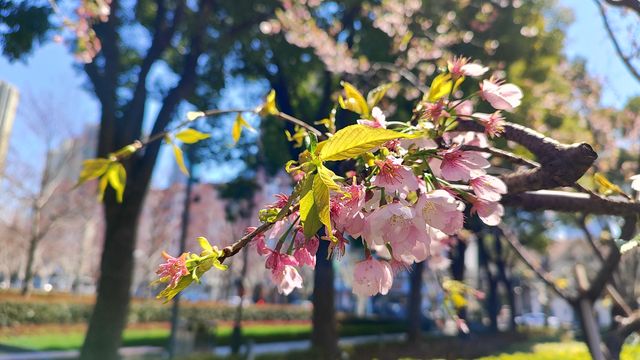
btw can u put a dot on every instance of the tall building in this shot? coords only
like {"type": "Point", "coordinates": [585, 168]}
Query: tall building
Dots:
{"type": "Point", "coordinates": [8, 104]}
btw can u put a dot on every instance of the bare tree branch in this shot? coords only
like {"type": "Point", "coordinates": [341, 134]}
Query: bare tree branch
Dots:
{"type": "Point", "coordinates": [631, 4]}
{"type": "Point", "coordinates": [571, 202]}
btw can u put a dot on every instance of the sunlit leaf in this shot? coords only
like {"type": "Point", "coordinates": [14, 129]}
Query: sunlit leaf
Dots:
{"type": "Point", "coordinates": [204, 244]}
{"type": "Point", "coordinates": [605, 186]}
{"type": "Point", "coordinates": [374, 96]}
{"type": "Point", "coordinates": [269, 106]}
{"type": "Point", "coordinates": [93, 169]}
{"type": "Point", "coordinates": [117, 176]}
{"type": "Point", "coordinates": [353, 100]}
{"type": "Point", "coordinates": [177, 152]}
{"type": "Point", "coordinates": [440, 87]}
{"type": "Point", "coordinates": [355, 140]}
{"type": "Point", "coordinates": [191, 136]}
{"type": "Point", "coordinates": [238, 124]}
{"type": "Point", "coordinates": [321, 202]}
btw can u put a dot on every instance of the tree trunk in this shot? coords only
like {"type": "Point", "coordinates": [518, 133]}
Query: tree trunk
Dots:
{"type": "Point", "coordinates": [414, 313]}
{"type": "Point", "coordinates": [324, 335]}
{"type": "Point", "coordinates": [104, 335]}
{"type": "Point", "coordinates": [34, 238]}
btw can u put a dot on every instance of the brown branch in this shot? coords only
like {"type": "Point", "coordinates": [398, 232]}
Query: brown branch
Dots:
{"type": "Point", "coordinates": [635, 5]}
{"type": "Point", "coordinates": [560, 164]}
{"type": "Point", "coordinates": [162, 34]}
{"type": "Point", "coordinates": [532, 263]}
{"type": "Point", "coordinates": [570, 202]}
{"type": "Point", "coordinates": [582, 224]}
{"type": "Point", "coordinates": [612, 261]}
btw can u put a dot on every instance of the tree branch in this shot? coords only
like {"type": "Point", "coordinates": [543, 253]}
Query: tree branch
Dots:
{"type": "Point", "coordinates": [560, 164]}
{"type": "Point", "coordinates": [632, 4]}
{"type": "Point", "coordinates": [570, 202]}
{"type": "Point", "coordinates": [532, 263]}
{"type": "Point", "coordinates": [163, 33]}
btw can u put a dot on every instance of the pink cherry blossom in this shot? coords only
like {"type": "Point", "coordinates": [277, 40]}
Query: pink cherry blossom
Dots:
{"type": "Point", "coordinates": [460, 66]}
{"type": "Point", "coordinates": [501, 96]}
{"type": "Point", "coordinates": [378, 120]}
{"type": "Point", "coordinates": [371, 277]}
{"type": "Point", "coordinates": [434, 111]}
{"type": "Point", "coordinates": [463, 107]}
{"type": "Point", "coordinates": [490, 212]}
{"type": "Point", "coordinates": [286, 279]}
{"type": "Point", "coordinates": [276, 261]}
{"type": "Point", "coordinates": [462, 165]}
{"type": "Point", "coordinates": [396, 224]}
{"type": "Point", "coordinates": [394, 176]}
{"type": "Point", "coordinates": [441, 210]}
{"type": "Point", "coordinates": [488, 187]}
{"type": "Point", "coordinates": [493, 123]}
{"type": "Point", "coordinates": [259, 241]}
{"type": "Point", "coordinates": [173, 269]}
{"type": "Point", "coordinates": [305, 252]}
{"type": "Point", "coordinates": [346, 210]}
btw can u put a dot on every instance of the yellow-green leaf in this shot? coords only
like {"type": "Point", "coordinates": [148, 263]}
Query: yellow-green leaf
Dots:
{"type": "Point", "coordinates": [117, 176]}
{"type": "Point", "coordinates": [440, 87]}
{"type": "Point", "coordinates": [327, 176]}
{"type": "Point", "coordinates": [238, 124]}
{"type": "Point", "coordinates": [308, 210]}
{"type": "Point", "coordinates": [321, 201]}
{"type": "Point", "coordinates": [192, 115]}
{"type": "Point", "coordinates": [605, 186]}
{"type": "Point", "coordinates": [269, 106]}
{"type": "Point", "coordinates": [170, 292]}
{"type": "Point", "coordinates": [191, 136]}
{"type": "Point", "coordinates": [353, 100]}
{"type": "Point", "coordinates": [179, 159]}
{"type": "Point", "coordinates": [374, 96]}
{"type": "Point", "coordinates": [204, 244]}
{"type": "Point", "coordinates": [355, 140]}
{"type": "Point", "coordinates": [102, 187]}
{"type": "Point", "coordinates": [93, 169]}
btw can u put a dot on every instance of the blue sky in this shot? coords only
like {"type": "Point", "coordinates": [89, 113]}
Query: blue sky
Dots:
{"type": "Point", "coordinates": [50, 71]}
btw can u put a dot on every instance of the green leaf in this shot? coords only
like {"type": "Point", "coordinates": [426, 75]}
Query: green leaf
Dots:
{"type": "Point", "coordinates": [191, 136]}
{"type": "Point", "coordinates": [353, 100]}
{"type": "Point", "coordinates": [326, 176]}
{"type": "Point", "coordinates": [374, 96]}
{"type": "Point", "coordinates": [169, 292]}
{"type": "Point", "coordinates": [308, 211]}
{"type": "Point", "coordinates": [355, 140]}
{"type": "Point", "coordinates": [238, 124]}
{"type": "Point", "coordinates": [93, 169]}
{"type": "Point", "coordinates": [321, 201]}
{"type": "Point", "coordinates": [440, 87]}
{"type": "Point", "coordinates": [605, 186]}
{"type": "Point", "coordinates": [180, 159]}
{"type": "Point", "coordinates": [117, 176]}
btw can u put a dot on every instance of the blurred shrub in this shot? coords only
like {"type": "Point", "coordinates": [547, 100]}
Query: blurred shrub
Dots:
{"type": "Point", "coordinates": [13, 312]}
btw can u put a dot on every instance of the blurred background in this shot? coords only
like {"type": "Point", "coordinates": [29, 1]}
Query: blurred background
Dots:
{"type": "Point", "coordinates": [577, 61]}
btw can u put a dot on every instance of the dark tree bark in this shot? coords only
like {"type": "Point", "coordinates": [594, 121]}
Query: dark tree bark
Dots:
{"type": "Point", "coordinates": [108, 320]}
{"type": "Point", "coordinates": [324, 335]}
{"type": "Point", "coordinates": [414, 311]}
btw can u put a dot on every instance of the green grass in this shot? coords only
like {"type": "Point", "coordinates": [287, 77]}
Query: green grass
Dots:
{"type": "Point", "coordinates": [159, 336]}
{"type": "Point", "coordinates": [570, 350]}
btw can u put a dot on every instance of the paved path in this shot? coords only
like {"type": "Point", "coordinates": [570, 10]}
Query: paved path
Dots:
{"type": "Point", "coordinates": [154, 352]}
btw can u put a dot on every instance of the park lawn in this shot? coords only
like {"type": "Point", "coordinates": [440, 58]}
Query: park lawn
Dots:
{"type": "Point", "coordinates": [570, 350]}
{"type": "Point", "coordinates": [259, 333]}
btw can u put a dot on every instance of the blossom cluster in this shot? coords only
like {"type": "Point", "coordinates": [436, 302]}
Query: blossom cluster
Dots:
{"type": "Point", "coordinates": [412, 186]}
{"type": "Point", "coordinates": [85, 42]}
